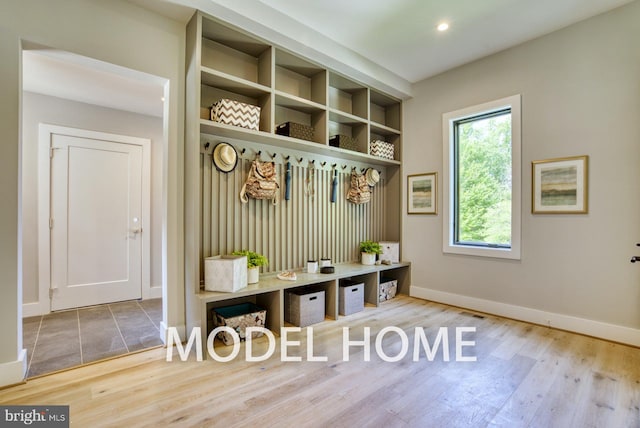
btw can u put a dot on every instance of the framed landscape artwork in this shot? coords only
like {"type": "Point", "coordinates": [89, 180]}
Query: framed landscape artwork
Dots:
{"type": "Point", "coordinates": [422, 193]}
{"type": "Point", "coordinates": [560, 186]}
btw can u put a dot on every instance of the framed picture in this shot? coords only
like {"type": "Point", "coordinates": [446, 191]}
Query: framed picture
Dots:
{"type": "Point", "coordinates": [422, 193]}
{"type": "Point", "coordinates": [559, 186]}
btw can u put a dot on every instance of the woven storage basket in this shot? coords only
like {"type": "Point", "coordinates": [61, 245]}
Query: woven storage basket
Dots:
{"type": "Point", "coordinates": [295, 130]}
{"type": "Point", "coordinates": [344, 142]}
{"type": "Point", "coordinates": [239, 317]}
{"type": "Point", "coordinates": [381, 149]}
{"type": "Point", "coordinates": [235, 113]}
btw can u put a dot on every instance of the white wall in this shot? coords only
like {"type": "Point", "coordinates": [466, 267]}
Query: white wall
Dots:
{"type": "Point", "coordinates": [36, 109]}
{"type": "Point", "coordinates": [580, 95]}
{"type": "Point", "coordinates": [116, 32]}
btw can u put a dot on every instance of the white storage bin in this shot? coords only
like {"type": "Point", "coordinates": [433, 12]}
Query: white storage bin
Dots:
{"type": "Point", "coordinates": [304, 307]}
{"type": "Point", "coordinates": [351, 297]}
{"type": "Point", "coordinates": [225, 273]}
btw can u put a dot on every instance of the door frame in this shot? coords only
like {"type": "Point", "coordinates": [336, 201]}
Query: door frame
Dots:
{"type": "Point", "coordinates": [44, 206]}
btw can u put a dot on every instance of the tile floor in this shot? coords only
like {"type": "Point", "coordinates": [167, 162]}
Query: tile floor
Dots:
{"type": "Point", "coordinates": [70, 338]}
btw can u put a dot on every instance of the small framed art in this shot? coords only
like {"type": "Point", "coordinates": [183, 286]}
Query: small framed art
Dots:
{"type": "Point", "coordinates": [422, 193]}
{"type": "Point", "coordinates": [560, 186]}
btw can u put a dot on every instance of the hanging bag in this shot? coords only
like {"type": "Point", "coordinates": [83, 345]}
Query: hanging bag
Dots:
{"type": "Point", "coordinates": [359, 192]}
{"type": "Point", "coordinates": [262, 182]}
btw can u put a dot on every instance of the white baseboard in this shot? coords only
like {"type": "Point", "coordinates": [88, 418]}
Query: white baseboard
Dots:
{"type": "Point", "coordinates": [155, 292]}
{"type": "Point", "coordinates": [616, 333]}
{"type": "Point", "coordinates": [34, 309]}
{"type": "Point", "coordinates": [14, 372]}
{"type": "Point", "coordinates": [181, 329]}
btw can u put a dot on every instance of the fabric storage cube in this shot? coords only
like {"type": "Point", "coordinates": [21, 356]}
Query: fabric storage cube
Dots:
{"type": "Point", "coordinates": [235, 113]}
{"type": "Point", "coordinates": [390, 251]}
{"type": "Point", "coordinates": [225, 273]}
{"type": "Point", "coordinates": [239, 317]}
{"type": "Point", "coordinates": [304, 307]}
{"type": "Point", "coordinates": [381, 149]}
{"type": "Point", "coordinates": [344, 142]}
{"type": "Point", "coordinates": [388, 289]}
{"type": "Point", "coordinates": [295, 130]}
{"type": "Point", "coordinates": [351, 297]}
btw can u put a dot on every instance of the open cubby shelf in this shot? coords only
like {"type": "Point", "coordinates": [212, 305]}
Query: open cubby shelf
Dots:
{"type": "Point", "coordinates": [289, 88]}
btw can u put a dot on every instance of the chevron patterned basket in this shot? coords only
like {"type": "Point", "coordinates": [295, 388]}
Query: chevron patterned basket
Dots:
{"type": "Point", "coordinates": [236, 113]}
{"type": "Point", "coordinates": [381, 149]}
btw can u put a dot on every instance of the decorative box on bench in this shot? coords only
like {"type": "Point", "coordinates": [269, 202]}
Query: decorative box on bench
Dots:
{"type": "Point", "coordinates": [343, 142]}
{"type": "Point", "coordinates": [225, 273]}
{"type": "Point", "coordinates": [390, 251]}
{"type": "Point", "coordinates": [382, 149]}
{"type": "Point", "coordinates": [388, 289]}
{"type": "Point", "coordinates": [235, 113]}
{"type": "Point", "coordinates": [239, 317]}
{"type": "Point", "coordinates": [304, 307]}
{"type": "Point", "coordinates": [295, 130]}
{"type": "Point", "coordinates": [351, 297]}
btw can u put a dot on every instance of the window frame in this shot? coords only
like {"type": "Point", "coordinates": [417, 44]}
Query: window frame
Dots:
{"type": "Point", "coordinates": [449, 184]}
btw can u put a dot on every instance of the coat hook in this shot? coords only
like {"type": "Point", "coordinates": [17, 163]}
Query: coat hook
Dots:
{"type": "Point", "coordinates": [323, 163]}
{"type": "Point", "coordinates": [362, 170]}
{"type": "Point", "coordinates": [273, 156]}
{"type": "Point", "coordinates": [353, 168]}
{"type": "Point", "coordinates": [206, 145]}
{"type": "Point", "coordinates": [242, 151]}
{"type": "Point", "coordinates": [287, 157]}
{"type": "Point", "coordinates": [300, 160]}
{"type": "Point", "coordinates": [313, 161]}
{"type": "Point", "coordinates": [344, 166]}
{"type": "Point", "coordinates": [334, 165]}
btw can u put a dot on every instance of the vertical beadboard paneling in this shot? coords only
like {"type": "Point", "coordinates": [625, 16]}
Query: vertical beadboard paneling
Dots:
{"type": "Point", "coordinates": [306, 227]}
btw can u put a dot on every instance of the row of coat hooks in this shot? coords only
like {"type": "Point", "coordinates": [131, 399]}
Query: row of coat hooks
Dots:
{"type": "Point", "coordinates": [273, 156]}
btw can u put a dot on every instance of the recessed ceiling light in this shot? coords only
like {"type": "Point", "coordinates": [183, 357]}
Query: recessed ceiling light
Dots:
{"type": "Point", "coordinates": [443, 26]}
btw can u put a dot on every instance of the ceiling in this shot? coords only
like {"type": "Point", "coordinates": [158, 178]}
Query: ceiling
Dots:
{"type": "Point", "coordinates": [73, 77]}
{"type": "Point", "coordinates": [386, 44]}
{"type": "Point", "coordinates": [401, 35]}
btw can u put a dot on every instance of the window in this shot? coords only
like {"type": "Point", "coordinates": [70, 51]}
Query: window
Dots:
{"type": "Point", "coordinates": [482, 179]}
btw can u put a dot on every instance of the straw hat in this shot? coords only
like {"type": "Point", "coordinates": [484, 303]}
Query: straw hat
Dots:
{"type": "Point", "coordinates": [225, 157]}
{"type": "Point", "coordinates": [372, 176]}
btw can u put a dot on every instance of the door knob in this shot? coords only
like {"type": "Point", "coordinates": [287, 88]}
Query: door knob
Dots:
{"type": "Point", "coordinates": [635, 259]}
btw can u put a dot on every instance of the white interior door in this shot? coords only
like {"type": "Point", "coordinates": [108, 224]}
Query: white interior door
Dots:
{"type": "Point", "coordinates": [96, 221]}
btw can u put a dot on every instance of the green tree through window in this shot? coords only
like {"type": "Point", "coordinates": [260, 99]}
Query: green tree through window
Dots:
{"type": "Point", "coordinates": [483, 180]}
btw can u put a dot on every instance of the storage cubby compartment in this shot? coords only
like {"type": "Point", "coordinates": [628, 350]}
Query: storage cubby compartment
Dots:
{"type": "Point", "coordinates": [210, 95]}
{"type": "Point", "coordinates": [348, 97]}
{"type": "Point", "coordinates": [269, 301]}
{"type": "Point", "coordinates": [389, 137]}
{"type": "Point", "coordinates": [298, 301]}
{"type": "Point", "coordinates": [301, 79]}
{"type": "Point", "coordinates": [385, 111]}
{"type": "Point", "coordinates": [234, 55]}
{"type": "Point", "coordinates": [287, 110]}
{"type": "Point", "coordinates": [370, 281]}
{"type": "Point", "coordinates": [401, 274]}
{"type": "Point", "coordinates": [350, 297]}
{"type": "Point", "coordinates": [357, 130]}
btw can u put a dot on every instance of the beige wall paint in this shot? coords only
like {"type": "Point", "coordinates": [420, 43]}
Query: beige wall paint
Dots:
{"type": "Point", "coordinates": [580, 95]}
{"type": "Point", "coordinates": [113, 31]}
{"type": "Point", "coordinates": [38, 109]}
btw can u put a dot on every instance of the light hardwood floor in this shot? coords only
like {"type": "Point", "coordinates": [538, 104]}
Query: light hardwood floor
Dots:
{"type": "Point", "coordinates": [524, 376]}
